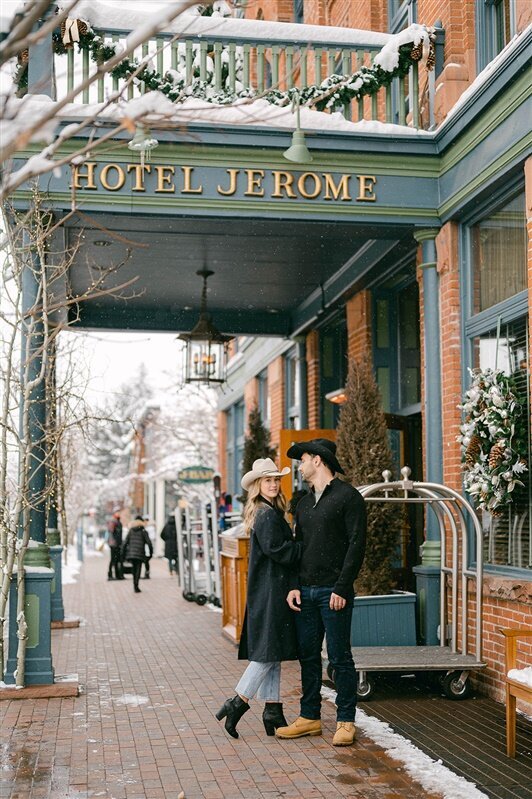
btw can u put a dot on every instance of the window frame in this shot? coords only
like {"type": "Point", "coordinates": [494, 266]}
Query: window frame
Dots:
{"type": "Point", "coordinates": [475, 324]}
{"type": "Point", "coordinates": [486, 30]}
{"type": "Point", "coordinates": [299, 12]}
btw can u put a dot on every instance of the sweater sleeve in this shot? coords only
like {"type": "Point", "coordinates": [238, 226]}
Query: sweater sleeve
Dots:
{"type": "Point", "coordinates": [294, 577]}
{"type": "Point", "coordinates": [355, 525]}
{"type": "Point", "coordinates": [272, 540]}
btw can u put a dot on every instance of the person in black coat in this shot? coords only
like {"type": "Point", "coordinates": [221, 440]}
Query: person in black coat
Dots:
{"type": "Point", "coordinates": [114, 541]}
{"type": "Point", "coordinates": [268, 632]}
{"type": "Point", "coordinates": [169, 536]}
{"type": "Point", "coordinates": [135, 549]}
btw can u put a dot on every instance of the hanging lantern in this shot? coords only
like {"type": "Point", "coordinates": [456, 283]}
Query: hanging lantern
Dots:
{"type": "Point", "coordinates": [205, 346]}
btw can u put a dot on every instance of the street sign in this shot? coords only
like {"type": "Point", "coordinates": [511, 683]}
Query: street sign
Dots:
{"type": "Point", "coordinates": [195, 474]}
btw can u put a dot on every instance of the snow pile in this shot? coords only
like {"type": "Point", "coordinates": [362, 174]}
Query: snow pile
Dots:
{"type": "Point", "coordinates": [71, 568]}
{"type": "Point", "coordinates": [431, 774]}
{"type": "Point", "coordinates": [523, 676]}
{"type": "Point", "coordinates": [132, 699]}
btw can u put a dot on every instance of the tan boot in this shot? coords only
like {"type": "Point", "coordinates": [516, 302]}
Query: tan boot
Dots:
{"type": "Point", "coordinates": [345, 733]}
{"type": "Point", "coordinates": [299, 728]}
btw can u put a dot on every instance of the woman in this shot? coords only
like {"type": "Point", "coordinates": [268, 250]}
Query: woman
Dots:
{"type": "Point", "coordinates": [268, 632]}
{"type": "Point", "coordinates": [135, 549]}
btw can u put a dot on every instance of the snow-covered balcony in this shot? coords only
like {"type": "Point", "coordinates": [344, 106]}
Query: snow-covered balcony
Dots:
{"type": "Point", "coordinates": [354, 76]}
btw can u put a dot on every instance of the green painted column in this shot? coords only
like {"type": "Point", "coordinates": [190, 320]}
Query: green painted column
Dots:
{"type": "Point", "coordinates": [428, 574]}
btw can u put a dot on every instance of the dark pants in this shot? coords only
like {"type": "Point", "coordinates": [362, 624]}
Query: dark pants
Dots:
{"type": "Point", "coordinates": [136, 566]}
{"type": "Point", "coordinates": [146, 562]}
{"type": "Point", "coordinates": [315, 620]}
{"type": "Point", "coordinates": [115, 563]}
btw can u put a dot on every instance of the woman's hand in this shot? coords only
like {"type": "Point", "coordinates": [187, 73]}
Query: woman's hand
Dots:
{"type": "Point", "coordinates": [294, 600]}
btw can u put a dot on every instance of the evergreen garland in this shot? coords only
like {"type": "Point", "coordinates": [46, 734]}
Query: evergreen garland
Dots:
{"type": "Point", "coordinates": [334, 91]}
{"type": "Point", "coordinates": [364, 451]}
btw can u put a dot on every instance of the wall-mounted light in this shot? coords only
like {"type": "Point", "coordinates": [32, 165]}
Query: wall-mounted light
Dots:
{"type": "Point", "coordinates": [205, 346]}
{"type": "Point", "coordinates": [338, 396]}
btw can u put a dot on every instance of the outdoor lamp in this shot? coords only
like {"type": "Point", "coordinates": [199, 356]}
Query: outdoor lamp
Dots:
{"type": "Point", "coordinates": [143, 142]}
{"type": "Point", "coordinates": [205, 347]}
{"type": "Point", "coordinates": [298, 151]}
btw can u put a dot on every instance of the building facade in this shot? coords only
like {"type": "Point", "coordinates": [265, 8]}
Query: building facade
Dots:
{"type": "Point", "coordinates": [456, 296]}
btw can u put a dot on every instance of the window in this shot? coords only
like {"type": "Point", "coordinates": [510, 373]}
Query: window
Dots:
{"type": "Point", "coordinates": [401, 14]}
{"type": "Point", "coordinates": [299, 14]}
{"type": "Point", "coordinates": [292, 391]}
{"type": "Point", "coordinates": [333, 367]}
{"type": "Point", "coordinates": [508, 538]}
{"type": "Point", "coordinates": [498, 255]}
{"type": "Point", "coordinates": [263, 398]}
{"type": "Point", "coordinates": [235, 446]}
{"type": "Point", "coordinates": [495, 27]}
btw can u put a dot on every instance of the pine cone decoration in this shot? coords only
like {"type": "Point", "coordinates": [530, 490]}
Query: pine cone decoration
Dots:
{"type": "Point", "coordinates": [417, 52]}
{"type": "Point", "coordinates": [431, 58]}
{"type": "Point", "coordinates": [496, 455]}
{"type": "Point", "coordinates": [473, 450]}
{"type": "Point", "coordinates": [23, 56]}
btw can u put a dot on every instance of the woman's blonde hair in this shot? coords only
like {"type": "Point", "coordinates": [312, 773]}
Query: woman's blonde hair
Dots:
{"type": "Point", "coordinates": [253, 501]}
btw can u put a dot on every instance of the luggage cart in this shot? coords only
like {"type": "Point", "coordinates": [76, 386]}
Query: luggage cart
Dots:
{"type": "Point", "coordinates": [451, 658]}
{"type": "Point", "coordinates": [197, 543]}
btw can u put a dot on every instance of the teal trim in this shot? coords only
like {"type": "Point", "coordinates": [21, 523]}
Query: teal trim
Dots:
{"type": "Point", "coordinates": [506, 311]}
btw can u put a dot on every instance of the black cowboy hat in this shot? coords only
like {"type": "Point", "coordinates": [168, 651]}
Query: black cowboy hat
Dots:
{"type": "Point", "coordinates": [317, 446]}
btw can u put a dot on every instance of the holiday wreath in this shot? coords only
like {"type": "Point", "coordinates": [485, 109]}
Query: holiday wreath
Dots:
{"type": "Point", "coordinates": [493, 440]}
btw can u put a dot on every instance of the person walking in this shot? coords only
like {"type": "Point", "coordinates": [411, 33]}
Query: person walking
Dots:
{"type": "Point", "coordinates": [135, 545]}
{"type": "Point", "coordinates": [268, 632]}
{"type": "Point", "coordinates": [150, 529]}
{"type": "Point", "coordinates": [169, 536]}
{"type": "Point", "coordinates": [330, 522]}
{"type": "Point", "coordinates": [114, 540]}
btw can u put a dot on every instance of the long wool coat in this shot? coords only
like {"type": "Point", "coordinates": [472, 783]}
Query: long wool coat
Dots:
{"type": "Point", "coordinates": [268, 632]}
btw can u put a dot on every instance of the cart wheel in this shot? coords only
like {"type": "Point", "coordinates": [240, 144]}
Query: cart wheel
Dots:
{"type": "Point", "coordinates": [212, 599]}
{"type": "Point", "coordinates": [454, 688]}
{"type": "Point", "coordinates": [330, 673]}
{"type": "Point", "coordinates": [201, 599]}
{"type": "Point", "coordinates": [190, 596]}
{"type": "Point", "coordinates": [217, 602]}
{"type": "Point", "coordinates": [366, 689]}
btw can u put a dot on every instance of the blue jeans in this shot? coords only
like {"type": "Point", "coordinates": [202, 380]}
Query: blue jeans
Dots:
{"type": "Point", "coordinates": [315, 620]}
{"type": "Point", "coordinates": [262, 679]}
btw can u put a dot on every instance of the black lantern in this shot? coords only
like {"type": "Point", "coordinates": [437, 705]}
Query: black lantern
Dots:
{"type": "Point", "coordinates": [205, 346]}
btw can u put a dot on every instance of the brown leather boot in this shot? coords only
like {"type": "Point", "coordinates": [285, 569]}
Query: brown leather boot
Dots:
{"type": "Point", "coordinates": [299, 728]}
{"type": "Point", "coordinates": [345, 733]}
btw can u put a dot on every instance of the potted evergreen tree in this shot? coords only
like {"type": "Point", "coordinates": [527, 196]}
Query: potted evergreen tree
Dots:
{"type": "Point", "coordinates": [381, 616]}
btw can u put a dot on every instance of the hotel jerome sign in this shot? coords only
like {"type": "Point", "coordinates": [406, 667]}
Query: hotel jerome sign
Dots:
{"type": "Point", "coordinates": [219, 182]}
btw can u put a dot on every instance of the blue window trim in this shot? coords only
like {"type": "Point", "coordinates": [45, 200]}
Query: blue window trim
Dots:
{"type": "Point", "coordinates": [299, 11]}
{"type": "Point", "coordinates": [474, 324]}
{"type": "Point", "coordinates": [405, 15]}
{"type": "Point", "coordinates": [290, 362]}
{"type": "Point", "coordinates": [485, 24]}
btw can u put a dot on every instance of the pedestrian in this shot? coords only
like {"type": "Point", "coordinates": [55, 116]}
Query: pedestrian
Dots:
{"type": "Point", "coordinates": [114, 540]}
{"type": "Point", "coordinates": [169, 536]}
{"type": "Point", "coordinates": [330, 522]}
{"type": "Point", "coordinates": [150, 529]}
{"type": "Point", "coordinates": [135, 545]}
{"type": "Point", "coordinates": [268, 632]}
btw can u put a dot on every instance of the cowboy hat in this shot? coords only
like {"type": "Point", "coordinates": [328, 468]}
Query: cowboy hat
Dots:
{"type": "Point", "coordinates": [317, 446]}
{"type": "Point", "coordinates": [262, 467]}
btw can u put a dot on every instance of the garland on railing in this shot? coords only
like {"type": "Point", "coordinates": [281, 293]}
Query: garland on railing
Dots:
{"type": "Point", "coordinates": [493, 440]}
{"type": "Point", "coordinates": [334, 91]}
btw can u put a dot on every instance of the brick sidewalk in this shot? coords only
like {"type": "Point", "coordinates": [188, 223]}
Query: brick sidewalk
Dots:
{"type": "Point", "coordinates": [170, 655]}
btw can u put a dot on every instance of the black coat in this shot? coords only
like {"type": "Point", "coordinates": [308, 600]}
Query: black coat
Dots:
{"type": "Point", "coordinates": [169, 536]}
{"type": "Point", "coordinates": [268, 632]}
{"type": "Point", "coordinates": [136, 542]}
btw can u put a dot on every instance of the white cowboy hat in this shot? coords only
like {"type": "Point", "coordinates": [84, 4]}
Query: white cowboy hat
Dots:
{"type": "Point", "coordinates": [262, 467]}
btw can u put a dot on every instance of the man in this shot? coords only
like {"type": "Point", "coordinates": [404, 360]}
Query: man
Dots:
{"type": "Point", "coordinates": [331, 523]}
{"type": "Point", "coordinates": [115, 547]}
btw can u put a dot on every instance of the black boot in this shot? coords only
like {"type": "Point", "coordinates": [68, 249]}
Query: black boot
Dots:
{"type": "Point", "coordinates": [273, 717]}
{"type": "Point", "coordinates": [232, 710]}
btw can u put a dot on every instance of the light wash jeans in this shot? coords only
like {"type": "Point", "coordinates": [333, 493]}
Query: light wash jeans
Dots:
{"type": "Point", "coordinates": [262, 680]}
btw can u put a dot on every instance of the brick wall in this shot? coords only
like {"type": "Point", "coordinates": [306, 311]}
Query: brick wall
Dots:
{"type": "Point", "coordinates": [277, 398]}
{"type": "Point", "coordinates": [358, 315]}
{"type": "Point", "coordinates": [274, 10]}
{"type": "Point", "coordinates": [251, 398]}
{"type": "Point", "coordinates": [313, 379]}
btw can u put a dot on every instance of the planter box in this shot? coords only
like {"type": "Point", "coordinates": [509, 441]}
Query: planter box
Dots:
{"type": "Point", "coordinates": [388, 620]}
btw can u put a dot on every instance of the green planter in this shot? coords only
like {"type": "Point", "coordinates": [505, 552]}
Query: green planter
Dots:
{"type": "Point", "coordinates": [388, 620]}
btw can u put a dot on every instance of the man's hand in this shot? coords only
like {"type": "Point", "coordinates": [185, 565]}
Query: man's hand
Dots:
{"type": "Point", "coordinates": [336, 602]}
{"type": "Point", "coordinates": [294, 600]}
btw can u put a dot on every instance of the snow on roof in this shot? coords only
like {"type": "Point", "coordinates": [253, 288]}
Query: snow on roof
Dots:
{"type": "Point", "coordinates": [8, 9]}
{"type": "Point", "coordinates": [112, 14]}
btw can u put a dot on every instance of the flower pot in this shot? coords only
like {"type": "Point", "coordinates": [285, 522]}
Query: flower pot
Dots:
{"type": "Point", "coordinates": [387, 620]}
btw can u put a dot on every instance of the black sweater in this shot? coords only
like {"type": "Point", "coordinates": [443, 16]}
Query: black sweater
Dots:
{"type": "Point", "coordinates": [333, 533]}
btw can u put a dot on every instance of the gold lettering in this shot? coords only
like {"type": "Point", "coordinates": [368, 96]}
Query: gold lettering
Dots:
{"type": "Point", "coordinates": [187, 183]}
{"type": "Point", "coordinates": [332, 188]}
{"type": "Point", "coordinates": [282, 181]}
{"type": "Point", "coordinates": [366, 184]}
{"type": "Point", "coordinates": [139, 170]}
{"type": "Point", "coordinates": [301, 185]}
{"type": "Point", "coordinates": [164, 179]}
{"type": "Point", "coordinates": [89, 176]}
{"type": "Point", "coordinates": [120, 174]}
{"type": "Point", "coordinates": [254, 182]}
{"type": "Point", "coordinates": [232, 183]}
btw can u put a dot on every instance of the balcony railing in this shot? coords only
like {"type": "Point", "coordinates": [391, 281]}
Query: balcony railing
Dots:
{"type": "Point", "coordinates": [231, 57]}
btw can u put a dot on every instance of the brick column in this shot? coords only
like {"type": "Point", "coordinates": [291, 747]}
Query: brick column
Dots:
{"type": "Point", "coordinates": [358, 316]}
{"type": "Point", "coordinates": [277, 398]}
{"type": "Point", "coordinates": [313, 379]}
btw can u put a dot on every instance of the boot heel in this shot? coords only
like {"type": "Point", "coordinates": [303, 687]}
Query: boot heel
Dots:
{"type": "Point", "coordinates": [222, 713]}
{"type": "Point", "coordinates": [269, 727]}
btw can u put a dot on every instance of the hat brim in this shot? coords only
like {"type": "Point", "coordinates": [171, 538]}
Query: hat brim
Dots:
{"type": "Point", "coordinates": [250, 477]}
{"type": "Point", "coordinates": [296, 451]}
